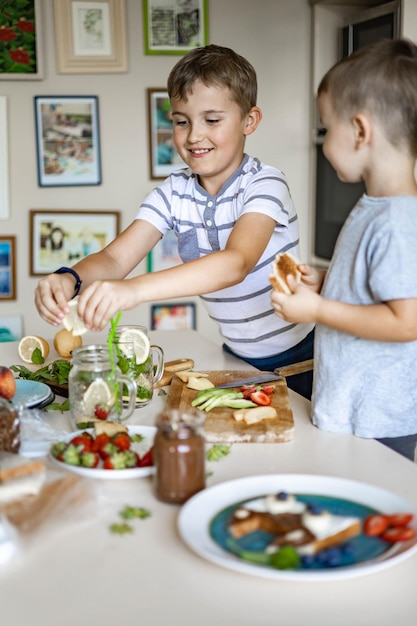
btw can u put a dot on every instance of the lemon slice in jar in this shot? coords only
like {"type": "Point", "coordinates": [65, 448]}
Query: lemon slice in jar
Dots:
{"type": "Point", "coordinates": [72, 322]}
{"type": "Point", "coordinates": [140, 341]}
{"type": "Point", "coordinates": [98, 393]}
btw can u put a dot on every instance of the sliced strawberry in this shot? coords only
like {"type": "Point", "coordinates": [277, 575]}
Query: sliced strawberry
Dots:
{"type": "Point", "coordinates": [400, 519]}
{"type": "Point", "coordinates": [261, 398]}
{"type": "Point", "coordinates": [147, 459]}
{"type": "Point", "coordinates": [269, 389]}
{"type": "Point", "coordinates": [375, 525]}
{"type": "Point", "coordinates": [398, 533]}
{"type": "Point", "coordinates": [122, 441]}
{"type": "Point", "coordinates": [100, 441]}
{"type": "Point", "coordinates": [247, 390]}
{"type": "Point", "coordinates": [84, 441]}
{"type": "Point", "coordinates": [89, 459]}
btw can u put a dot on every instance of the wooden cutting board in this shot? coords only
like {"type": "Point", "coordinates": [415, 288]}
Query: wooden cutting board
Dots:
{"type": "Point", "coordinates": [221, 427]}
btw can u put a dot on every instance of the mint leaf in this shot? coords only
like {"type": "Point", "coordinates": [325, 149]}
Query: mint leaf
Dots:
{"type": "Point", "coordinates": [37, 357]}
{"type": "Point", "coordinates": [217, 452]}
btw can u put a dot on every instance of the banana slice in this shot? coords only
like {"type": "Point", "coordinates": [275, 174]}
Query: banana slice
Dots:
{"type": "Point", "coordinates": [199, 383]}
{"type": "Point", "coordinates": [185, 375]}
{"type": "Point", "coordinates": [253, 416]}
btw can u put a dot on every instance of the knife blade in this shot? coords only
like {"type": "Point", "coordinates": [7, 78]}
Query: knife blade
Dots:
{"type": "Point", "coordinates": [264, 377]}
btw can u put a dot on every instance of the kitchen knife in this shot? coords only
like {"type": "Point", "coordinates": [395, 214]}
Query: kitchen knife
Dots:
{"type": "Point", "coordinates": [263, 377]}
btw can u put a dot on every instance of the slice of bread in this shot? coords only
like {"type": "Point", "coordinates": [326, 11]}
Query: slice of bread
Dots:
{"type": "Point", "coordinates": [109, 428]}
{"type": "Point", "coordinates": [284, 264]}
{"type": "Point", "coordinates": [14, 466]}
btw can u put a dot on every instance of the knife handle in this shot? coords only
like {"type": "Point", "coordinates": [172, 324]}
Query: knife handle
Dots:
{"type": "Point", "coordinates": [295, 368]}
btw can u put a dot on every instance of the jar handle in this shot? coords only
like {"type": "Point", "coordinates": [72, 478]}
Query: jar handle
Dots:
{"type": "Point", "coordinates": [158, 353]}
{"type": "Point", "coordinates": [132, 387]}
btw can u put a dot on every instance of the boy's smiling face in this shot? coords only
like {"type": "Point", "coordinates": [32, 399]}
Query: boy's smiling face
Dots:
{"type": "Point", "coordinates": [209, 133]}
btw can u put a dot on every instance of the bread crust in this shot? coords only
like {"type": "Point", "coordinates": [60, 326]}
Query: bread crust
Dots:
{"type": "Point", "coordinates": [14, 466]}
{"type": "Point", "coordinates": [284, 264]}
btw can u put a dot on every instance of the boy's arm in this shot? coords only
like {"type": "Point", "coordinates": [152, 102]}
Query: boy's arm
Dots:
{"type": "Point", "coordinates": [395, 320]}
{"type": "Point", "coordinates": [102, 299]}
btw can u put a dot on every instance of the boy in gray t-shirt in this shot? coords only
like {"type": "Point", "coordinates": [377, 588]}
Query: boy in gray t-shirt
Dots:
{"type": "Point", "coordinates": [365, 307]}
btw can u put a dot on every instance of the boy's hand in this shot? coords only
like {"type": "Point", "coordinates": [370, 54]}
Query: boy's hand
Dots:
{"type": "Point", "coordinates": [101, 300]}
{"type": "Point", "coordinates": [311, 277]}
{"type": "Point", "coordinates": [300, 307]}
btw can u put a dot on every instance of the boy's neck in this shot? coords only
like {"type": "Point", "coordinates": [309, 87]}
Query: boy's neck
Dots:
{"type": "Point", "coordinates": [392, 178]}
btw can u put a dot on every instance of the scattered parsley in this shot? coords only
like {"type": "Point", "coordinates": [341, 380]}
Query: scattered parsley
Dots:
{"type": "Point", "coordinates": [55, 406]}
{"type": "Point", "coordinates": [136, 438]}
{"type": "Point", "coordinates": [217, 452]}
{"type": "Point", "coordinates": [131, 512]}
{"type": "Point", "coordinates": [121, 529]}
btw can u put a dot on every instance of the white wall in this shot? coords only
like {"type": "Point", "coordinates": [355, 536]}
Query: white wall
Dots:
{"type": "Point", "coordinates": [273, 34]}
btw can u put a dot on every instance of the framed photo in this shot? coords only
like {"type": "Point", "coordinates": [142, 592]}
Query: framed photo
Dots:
{"type": "Point", "coordinates": [173, 316]}
{"type": "Point", "coordinates": [68, 141]}
{"type": "Point", "coordinates": [90, 37]}
{"type": "Point", "coordinates": [163, 156]}
{"type": "Point", "coordinates": [8, 267]}
{"type": "Point", "coordinates": [165, 254]}
{"type": "Point", "coordinates": [4, 160]}
{"type": "Point", "coordinates": [20, 40]}
{"type": "Point", "coordinates": [11, 328]}
{"type": "Point", "coordinates": [174, 26]}
{"type": "Point", "coordinates": [64, 237]}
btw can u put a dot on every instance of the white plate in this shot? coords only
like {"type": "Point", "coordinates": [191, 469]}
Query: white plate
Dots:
{"type": "Point", "coordinates": [198, 513]}
{"type": "Point", "coordinates": [31, 393]}
{"type": "Point", "coordinates": [135, 472]}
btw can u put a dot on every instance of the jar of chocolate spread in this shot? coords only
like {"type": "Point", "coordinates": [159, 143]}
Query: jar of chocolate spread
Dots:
{"type": "Point", "coordinates": [179, 455]}
{"type": "Point", "coordinates": [9, 427]}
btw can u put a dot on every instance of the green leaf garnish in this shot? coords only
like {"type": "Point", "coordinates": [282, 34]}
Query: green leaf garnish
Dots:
{"type": "Point", "coordinates": [132, 512]}
{"type": "Point", "coordinates": [121, 529]}
{"type": "Point", "coordinates": [37, 357]}
{"type": "Point", "coordinates": [286, 557]}
{"type": "Point", "coordinates": [217, 452]}
{"type": "Point", "coordinates": [55, 406]}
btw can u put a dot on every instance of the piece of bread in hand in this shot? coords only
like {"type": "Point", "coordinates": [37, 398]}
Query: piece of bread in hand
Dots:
{"type": "Point", "coordinates": [284, 264]}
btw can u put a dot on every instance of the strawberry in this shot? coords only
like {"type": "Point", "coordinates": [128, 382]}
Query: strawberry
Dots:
{"type": "Point", "coordinates": [260, 397]}
{"type": "Point", "coordinates": [101, 412]}
{"type": "Point", "coordinates": [375, 525]}
{"type": "Point", "coordinates": [247, 390]}
{"type": "Point", "coordinates": [398, 533]}
{"type": "Point", "coordinates": [99, 442]}
{"type": "Point", "coordinates": [400, 519]}
{"type": "Point", "coordinates": [109, 449]}
{"type": "Point", "coordinates": [269, 389]}
{"type": "Point", "coordinates": [83, 440]}
{"type": "Point", "coordinates": [147, 459]}
{"type": "Point", "coordinates": [115, 461]}
{"type": "Point", "coordinates": [122, 441]}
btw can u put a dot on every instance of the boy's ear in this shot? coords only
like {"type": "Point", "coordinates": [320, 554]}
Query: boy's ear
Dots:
{"type": "Point", "coordinates": [362, 129]}
{"type": "Point", "coordinates": [252, 120]}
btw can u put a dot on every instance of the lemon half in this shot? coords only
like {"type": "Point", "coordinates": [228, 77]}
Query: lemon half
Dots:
{"type": "Point", "coordinates": [72, 322]}
{"type": "Point", "coordinates": [28, 344]}
{"type": "Point", "coordinates": [140, 341]}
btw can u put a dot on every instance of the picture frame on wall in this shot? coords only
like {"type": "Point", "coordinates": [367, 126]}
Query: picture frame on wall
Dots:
{"type": "Point", "coordinates": [11, 328]}
{"type": "Point", "coordinates": [7, 267]}
{"type": "Point", "coordinates": [174, 26]}
{"type": "Point", "coordinates": [163, 156]}
{"type": "Point", "coordinates": [21, 54]}
{"type": "Point", "coordinates": [173, 316]}
{"type": "Point", "coordinates": [90, 37]}
{"type": "Point", "coordinates": [68, 141]}
{"type": "Point", "coordinates": [62, 238]}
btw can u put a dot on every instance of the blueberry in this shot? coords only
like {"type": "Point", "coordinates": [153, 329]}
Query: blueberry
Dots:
{"type": "Point", "coordinates": [314, 509]}
{"type": "Point", "coordinates": [307, 560]}
{"type": "Point", "coordinates": [282, 495]}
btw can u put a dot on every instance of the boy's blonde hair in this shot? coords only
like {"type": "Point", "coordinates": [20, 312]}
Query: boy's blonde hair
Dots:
{"type": "Point", "coordinates": [380, 79]}
{"type": "Point", "coordinates": [219, 66]}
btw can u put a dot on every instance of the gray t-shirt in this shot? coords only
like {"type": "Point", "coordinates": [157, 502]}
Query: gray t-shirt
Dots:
{"type": "Point", "coordinates": [366, 387]}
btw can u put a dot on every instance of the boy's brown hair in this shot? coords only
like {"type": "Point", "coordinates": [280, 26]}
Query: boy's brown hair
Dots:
{"type": "Point", "coordinates": [381, 79]}
{"type": "Point", "coordinates": [215, 65]}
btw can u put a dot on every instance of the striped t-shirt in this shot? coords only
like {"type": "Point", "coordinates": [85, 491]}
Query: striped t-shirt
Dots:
{"type": "Point", "coordinates": [203, 223]}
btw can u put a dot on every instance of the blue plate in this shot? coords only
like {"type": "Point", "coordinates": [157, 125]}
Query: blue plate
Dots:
{"type": "Point", "coordinates": [31, 393]}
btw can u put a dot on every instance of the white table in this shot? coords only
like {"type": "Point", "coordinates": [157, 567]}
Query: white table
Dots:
{"type": "Point", "coordinates": [80, 574]}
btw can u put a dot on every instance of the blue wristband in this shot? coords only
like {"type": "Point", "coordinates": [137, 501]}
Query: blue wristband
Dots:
{"type": "Point", "coordinates": [69, 270]}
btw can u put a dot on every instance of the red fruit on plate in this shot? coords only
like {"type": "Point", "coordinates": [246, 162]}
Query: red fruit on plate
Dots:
{"type": "Point", "coordinates": [7, 383]}
{"type": "Point", "coordinates": [147, 459]}
{"type": "Point", "coordinates": [375, 525]}
{"type": "Point", "coordinates": [100, 441]}
{"type": "Point", "coordinates": [400, 519]}
{"type": "Point", "coordinates": [84, 441]}
{"type": "Point", "coordinates": [398, 533]}
{"type": "Point", "coordinates": [122, 441]}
